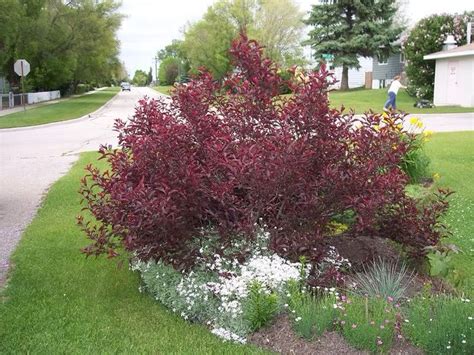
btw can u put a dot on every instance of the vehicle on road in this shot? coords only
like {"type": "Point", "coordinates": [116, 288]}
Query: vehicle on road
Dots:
{"type": "Point", "coordinates": [125, 86]}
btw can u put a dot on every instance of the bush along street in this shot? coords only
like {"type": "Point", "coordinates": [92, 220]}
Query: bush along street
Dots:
{"type": "Point", "coordinates": [238, 209]}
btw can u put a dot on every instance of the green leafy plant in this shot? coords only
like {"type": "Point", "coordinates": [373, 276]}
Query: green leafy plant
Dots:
{"type": "Point", "coordinates": [441, 324]}
{"type": "Point", "coordinates": [440, 259]}
{"type": "Point", "coordinates": [260, 306]}
{"type": "Point", "coordinates": [368, 323]}
{"type": "Point", "coordinates": [384, 279]}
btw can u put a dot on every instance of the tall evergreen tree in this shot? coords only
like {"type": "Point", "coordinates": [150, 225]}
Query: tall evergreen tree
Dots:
{"type": "Point", "coordinates": [351, 28]}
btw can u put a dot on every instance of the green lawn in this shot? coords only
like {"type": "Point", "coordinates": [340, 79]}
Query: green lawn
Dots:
{"type": "Point", "coordinates": [57, 301]}
{"type": "Point", "coordinates": [164, 89]}
{"type": "Point", "coordinates": [361, 100]}
{"type": "Point", "coordinates": [452, 156]}
{"type": "Point", "coordinates": [62, 111]}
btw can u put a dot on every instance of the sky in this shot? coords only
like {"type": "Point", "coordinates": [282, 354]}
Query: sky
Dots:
{"type": "Point", "coordinates": [150, 25]}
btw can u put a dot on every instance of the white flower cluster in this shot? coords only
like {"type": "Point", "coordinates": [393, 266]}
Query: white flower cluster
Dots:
{"type": "Point", "coordinates": [333, 258]}
{"type": "Point", "coordinates": [271, 272]}
{"type": "Point", "coordinates": [228, 335]}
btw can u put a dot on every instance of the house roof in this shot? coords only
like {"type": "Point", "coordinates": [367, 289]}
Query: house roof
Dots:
{"type": "Point", "coordinates": [462, 51]}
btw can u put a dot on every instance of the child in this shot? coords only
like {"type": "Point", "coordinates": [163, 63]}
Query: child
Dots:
{"type": "Point", "coordinates": [392, 94]}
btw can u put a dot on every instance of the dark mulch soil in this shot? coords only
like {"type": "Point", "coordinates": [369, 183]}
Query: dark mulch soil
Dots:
{"type": "Point", "coordinates": [280, 337]}
{"type": "Point", "coordinates": [363, 250]}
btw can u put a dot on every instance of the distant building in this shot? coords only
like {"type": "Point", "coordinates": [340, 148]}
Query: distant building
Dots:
{"type": "Point", "coordinates": [356, 76]}
{"type": "Point", "coordinates": [454, 75]}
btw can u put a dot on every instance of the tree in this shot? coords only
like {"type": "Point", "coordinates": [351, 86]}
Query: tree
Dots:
{"type": "Point", "coordinates": [168, 71]}
{"type": "Point", "coordinates": [149, 77]}
{"type": "Point", "coordinates": [348, 29]}
{"type": "Point", "coordinates": [427, 37]}
{"type": "Point", "coordinates": [66, 43]}
{"type": "Point", "coordinates": [276, 24]}
{"type": "Point", "coordinates": [140, 78]}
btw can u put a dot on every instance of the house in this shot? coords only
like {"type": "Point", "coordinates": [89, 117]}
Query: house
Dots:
{"type": "Point", "coordinates": [386, 67]}
{"type": "Point", "coordinates": [356, 76]}
{"type": "Point", "coordinates": [454, 74]}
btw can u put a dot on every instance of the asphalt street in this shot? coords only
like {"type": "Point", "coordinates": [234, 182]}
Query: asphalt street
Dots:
{"type": "Point", "coordinates": [32, 158]}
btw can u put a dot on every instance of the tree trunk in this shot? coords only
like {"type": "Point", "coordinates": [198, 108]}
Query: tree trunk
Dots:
{"type": "Point", "coordinates": [345, 78]}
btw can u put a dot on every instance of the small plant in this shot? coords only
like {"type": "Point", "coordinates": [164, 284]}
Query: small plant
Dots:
{"type": "Point", "coordinates": [312, 313]}
{"type": "Point", "coordinates": [368, 323]}
{"type": "Point", "coordinates": [415, 162]}
{"type": "Point", "coordinates": [260, 306]}
{"type": "Point", "coordinates": [384, 279]}
{"type": "Point", "coordinates": [441, 325]}
{"type": "Point", "coordinates": [440, 259]}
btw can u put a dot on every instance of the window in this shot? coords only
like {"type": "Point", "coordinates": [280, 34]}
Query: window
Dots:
{"type": "Point", "coordinates": [402, 58]}
{"type": "Point", "coordinates": [382, 59]}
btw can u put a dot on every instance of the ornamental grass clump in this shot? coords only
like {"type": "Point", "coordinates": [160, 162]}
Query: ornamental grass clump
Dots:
{"type": "Point", "coordinates": [389, 280]}
{"type": "Point", "coordinates": [224, 156]}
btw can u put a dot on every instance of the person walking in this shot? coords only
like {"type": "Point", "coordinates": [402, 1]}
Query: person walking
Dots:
{"type": "Point", "coordinates": [391, 102]}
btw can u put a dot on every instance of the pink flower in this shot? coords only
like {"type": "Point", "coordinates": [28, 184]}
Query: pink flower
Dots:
{"type": "Point", "coordinates": [354, 326]}
{"type": "Point", "coordinates": [399, 336]}
{"type": "Point", "coordinates": [382, 326]}
{"type": "Point", "coordinates": [343, 322]}
{"type": "Point", "coordinates": [379, 342]}
{"type": "Point", "coordinates": [390, 299]}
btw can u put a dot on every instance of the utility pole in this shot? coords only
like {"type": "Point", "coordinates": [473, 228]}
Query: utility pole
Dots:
{"type": "Point", "coordinates": [156, 70]}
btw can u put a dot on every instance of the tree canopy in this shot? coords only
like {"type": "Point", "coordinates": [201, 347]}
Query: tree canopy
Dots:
{"type": "Point", "coordinates": [276, 24]}
{"type": "Point", "coordinates": [66, 43]}
{"type": "Point", "coordinates": [348, 29]}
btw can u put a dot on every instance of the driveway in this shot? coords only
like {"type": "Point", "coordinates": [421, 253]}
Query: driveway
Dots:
{"type": "Point", "coordinates": [447, 122]}
{"type": "Point", "coordinates": [32, 158]}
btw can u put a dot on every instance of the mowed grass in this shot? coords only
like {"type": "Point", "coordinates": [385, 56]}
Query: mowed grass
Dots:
{"type": "Point", "coordinates": [362, 100]}
{"type": "Point", "coordinates": [64, 110]}
{"type": "Point", "coordinates": [57, 301]}
{"type": "Point", "coordinates": [164, 89]}
{"type": "Point", "coordinates": [452, 156]}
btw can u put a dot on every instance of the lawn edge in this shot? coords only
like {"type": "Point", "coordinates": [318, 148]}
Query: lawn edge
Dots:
{"type": "Point", "coordinates": [65, 121]}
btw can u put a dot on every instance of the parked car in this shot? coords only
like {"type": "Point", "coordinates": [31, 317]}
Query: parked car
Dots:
{"type": "Point", "coordinates": [125, 86]}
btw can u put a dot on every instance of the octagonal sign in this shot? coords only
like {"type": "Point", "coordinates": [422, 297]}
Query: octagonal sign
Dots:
{"type": "Point", "coordinates": [22, 67]}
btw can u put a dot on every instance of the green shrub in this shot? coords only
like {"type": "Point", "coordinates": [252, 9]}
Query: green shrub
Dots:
{"type": "Point", "coordinates": [260, 306]}
{"type": "Point", "coordinates": [314, 315]}
{"type": "Point", "coordinates": [168, 71]}
{"type": "Point", "coordinates": [384, 279]}
{"type": "Point", "coordinates": [368, 323]}
{"type": "Point", "coordinates": [440, 325]}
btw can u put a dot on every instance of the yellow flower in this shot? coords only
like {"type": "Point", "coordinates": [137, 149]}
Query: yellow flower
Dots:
{"type": "Point", "coordinates": [399, 126]}
{"type": "Point", "coordinates": [427, 134]}
{"type": "Point", "coordinates": [436, 176]}
{"type": "Point", "coordinates": [384, 114]}
{"type": "Point", "coordinates": [376, 127]}
{"type": "Point", "coordinates": [419, 124]}
{"type": "Point", "coordinates": [414, 120]}
{"type": "Point", "coordinates": [394, 146]}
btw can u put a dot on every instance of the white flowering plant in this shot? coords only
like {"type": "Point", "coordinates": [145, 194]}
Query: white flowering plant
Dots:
{"type": "Point", "coordinates": [230, 297]}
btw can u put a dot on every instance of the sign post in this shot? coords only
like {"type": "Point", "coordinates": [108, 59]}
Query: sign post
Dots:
{"type": "Point", "coordinates": [22, 68]}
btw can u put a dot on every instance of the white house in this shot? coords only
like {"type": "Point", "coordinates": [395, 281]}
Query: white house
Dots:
{"type": "Point", "coordinates": [454, 76]}
{"type": "Point", "coordinates": [356, 76]}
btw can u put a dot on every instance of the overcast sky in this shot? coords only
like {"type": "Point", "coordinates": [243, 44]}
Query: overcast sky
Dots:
{"type": "Point", "coordinates": [151, 25]}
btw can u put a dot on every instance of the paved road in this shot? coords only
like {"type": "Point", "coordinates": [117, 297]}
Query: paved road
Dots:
{"type": "Point", "coordinates": [31, 159]}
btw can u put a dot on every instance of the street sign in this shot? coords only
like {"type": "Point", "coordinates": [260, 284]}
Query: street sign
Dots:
{"type": "Point", "coordinates": [328, 56]}
{"type": "Point", "coordinates": [22, 67]}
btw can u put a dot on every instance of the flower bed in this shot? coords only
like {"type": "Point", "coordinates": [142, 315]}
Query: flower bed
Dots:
{"type": "Point", "coordinates": [238, 208]}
